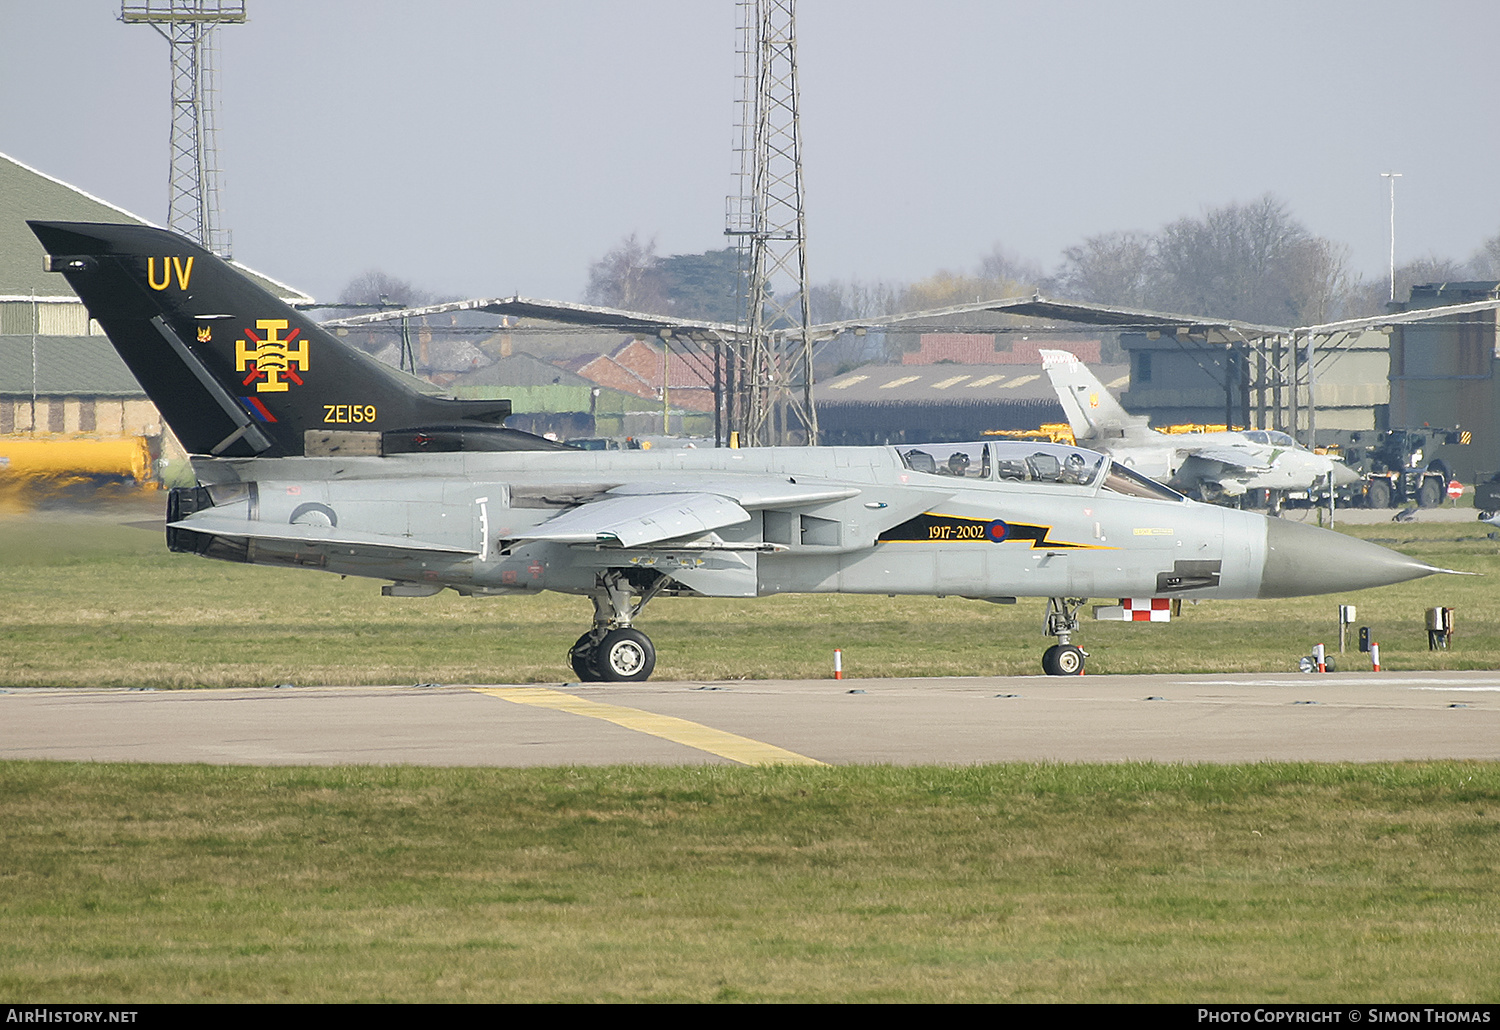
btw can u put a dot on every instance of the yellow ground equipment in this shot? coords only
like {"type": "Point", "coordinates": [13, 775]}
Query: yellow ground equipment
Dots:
{"type": "Point", "coordinates": [1047, 432]}
{"type": "Point", "coordinates": [64, 458]}
{"type": "Point", "coordinates": [1195, 427]}
{"type": "Point", "coordinates": [37, 468]}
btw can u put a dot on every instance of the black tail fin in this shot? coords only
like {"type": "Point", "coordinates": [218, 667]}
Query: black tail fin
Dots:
{"type": "Point", "coordinates": [235, 371]}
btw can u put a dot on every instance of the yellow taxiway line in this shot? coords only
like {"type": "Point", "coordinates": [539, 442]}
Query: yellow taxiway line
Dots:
{"type": "Point", "coordinates": [679, 731]}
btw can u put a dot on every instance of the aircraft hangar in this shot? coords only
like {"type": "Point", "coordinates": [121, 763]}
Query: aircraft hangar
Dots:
{"type": "Point", "coordinates": [878, 404]}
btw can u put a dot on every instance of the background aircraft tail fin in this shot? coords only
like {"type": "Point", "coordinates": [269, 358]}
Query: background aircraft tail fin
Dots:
{"type": "Point", "coordinates": [1091, 410]}
{"type": "Point", "coordinates": [234, 370]}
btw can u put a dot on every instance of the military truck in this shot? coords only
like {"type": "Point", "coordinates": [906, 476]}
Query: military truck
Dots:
{"type": "Point", "coordinates": [1398, 465]}
{"type": "Point", "coordinates": [1487, 496]}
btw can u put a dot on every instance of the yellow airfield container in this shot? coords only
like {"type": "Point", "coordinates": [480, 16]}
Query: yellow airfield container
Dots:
{"type": "Point", "coordinates": [1047, 432]}
{"type": "Point", "coordinates": [45, 459]}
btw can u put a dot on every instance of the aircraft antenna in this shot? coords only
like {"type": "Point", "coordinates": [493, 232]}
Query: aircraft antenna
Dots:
{"type": "Point", "coordinates": [193, 180]}
{"type": "Point", "coordinates": [770, 379]}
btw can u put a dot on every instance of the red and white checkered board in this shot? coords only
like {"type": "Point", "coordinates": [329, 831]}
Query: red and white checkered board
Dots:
{"type": "Point", "coordinates": [1147, 609]}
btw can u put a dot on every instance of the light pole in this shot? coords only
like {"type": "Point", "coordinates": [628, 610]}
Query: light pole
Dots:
{"type": "Point", "coordinates": [1392, 176]}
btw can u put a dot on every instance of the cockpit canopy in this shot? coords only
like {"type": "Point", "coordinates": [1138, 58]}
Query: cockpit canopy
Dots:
{"type": "Point", "coordinates": [1020, 462]}
{"type": "Point", "coordinates": [1274, 437]}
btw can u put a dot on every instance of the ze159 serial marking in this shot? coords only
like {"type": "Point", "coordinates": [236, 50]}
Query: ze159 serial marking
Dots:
{"type": "Point", "coordinates": [348, 413]}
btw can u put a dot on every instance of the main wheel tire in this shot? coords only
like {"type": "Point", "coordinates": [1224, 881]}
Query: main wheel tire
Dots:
{"type": "Point", "coordinates": [625, 656]}
{"type": "Point", "coordinates": [1069, 661]}
{"type": "Point", "coordinates": [1379, 494]}
{"type": "Point", "coordinates": [1063, 660]}
{"type": "Point", "coordinates": [1049, 660]}
{"type": "Point", "coordinates": [583, 657]}
{"type": "Point", "coordinates": [1430, 494]}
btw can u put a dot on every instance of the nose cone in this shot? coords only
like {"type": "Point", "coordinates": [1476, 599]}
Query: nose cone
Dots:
{"type": "Point", "coordinates": [1303, 560]}
{"type": "Point", "coordinates": [1343, 475]}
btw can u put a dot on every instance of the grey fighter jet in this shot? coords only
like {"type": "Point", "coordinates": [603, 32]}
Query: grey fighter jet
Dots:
{"type": "Point", "coordinates": [310, 455]}
{"type": "Point", "coordinates": [1211, 466]}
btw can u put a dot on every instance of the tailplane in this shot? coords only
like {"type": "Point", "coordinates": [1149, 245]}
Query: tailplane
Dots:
{"type": "Point", "coordinates": [1092, 411]}
{"type": "Point", "coordinates": [236, 372]}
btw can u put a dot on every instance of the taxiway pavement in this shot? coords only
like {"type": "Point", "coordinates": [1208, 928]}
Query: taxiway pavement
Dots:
{"type": "Point", "coordinates": [1180, 718]}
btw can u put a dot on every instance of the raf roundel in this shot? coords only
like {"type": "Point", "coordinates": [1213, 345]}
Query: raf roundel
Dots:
{"type": "Point", "coordinates": [997, 531]}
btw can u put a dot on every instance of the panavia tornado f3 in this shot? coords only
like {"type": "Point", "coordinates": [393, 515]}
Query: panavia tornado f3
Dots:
{"type": "Point", "coordinates": [311, 455]}
{"type": "Point", "coordinates": [1210, 466]}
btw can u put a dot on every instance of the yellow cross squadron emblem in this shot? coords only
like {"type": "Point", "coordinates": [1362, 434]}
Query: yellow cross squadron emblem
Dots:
{"type": "Point", "coordinates": [273, 359]}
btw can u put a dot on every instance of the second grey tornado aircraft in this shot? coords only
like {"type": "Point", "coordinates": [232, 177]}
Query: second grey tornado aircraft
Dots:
{"type": "Point", "coordinates": [311, 455]}
{"type": "Point", "coordinates": [1208, 465]}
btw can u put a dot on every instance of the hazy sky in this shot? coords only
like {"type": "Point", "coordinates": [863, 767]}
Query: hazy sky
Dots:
{"type": "Point", "coordinates": [488, 147]}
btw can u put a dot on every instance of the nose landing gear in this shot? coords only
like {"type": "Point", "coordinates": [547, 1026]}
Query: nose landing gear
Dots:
{"type": "Point", "coordinates": [1063, 660]}
{"type": "Point", "coordinates": [1061, 621]}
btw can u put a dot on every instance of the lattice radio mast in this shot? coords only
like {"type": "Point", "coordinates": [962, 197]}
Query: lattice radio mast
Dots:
{"type": "Point", "coordinates": [193, 182]}
{"type": "Point", "coordinates": [769, 393]}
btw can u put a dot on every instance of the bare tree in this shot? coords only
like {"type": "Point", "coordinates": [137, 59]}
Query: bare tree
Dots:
{"type": "Point", "coordinates": [838, 301]}
{"type": "Point", "coordinates": [1253, 262]}
{"type": "Point", "coordinates": [1233, 262]}
{"type": "Point", "coordinates": [1111, 268]}
{"type": "Point", "coordinates": [1015, 275]}
{"type": "Point", "coordinates": [1318, 284]}
{"type": "Point", "coordinates": [377, 287]}
{"type": "Point", "coordinates": [948, 289]}
{"type": "Point", "coordinates": [1370, 296]}
{"type": "Point", "coordinates": [628, 277]}
{"type": "Point", "coordinates": [1485, 264]}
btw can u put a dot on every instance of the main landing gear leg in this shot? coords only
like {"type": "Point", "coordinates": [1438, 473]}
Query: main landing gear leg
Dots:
{"type": "Point", "coordinates": [1062, 658]}
{"type": "Point", "coordinates": [612, 651]}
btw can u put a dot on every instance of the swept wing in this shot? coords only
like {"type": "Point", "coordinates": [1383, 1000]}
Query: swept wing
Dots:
{"type": "Point", "coordinates": [1242, 461]}
{"type": "Point", "coordinates": [634, 521]}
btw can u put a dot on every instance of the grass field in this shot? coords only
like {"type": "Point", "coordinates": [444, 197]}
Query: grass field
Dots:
{"type": "Point", "coordinates": [1124, 883]}
{"type": "Point", "coordinates": [92, 603]}
{"type": "Point", "coordinates": [1121, 883]}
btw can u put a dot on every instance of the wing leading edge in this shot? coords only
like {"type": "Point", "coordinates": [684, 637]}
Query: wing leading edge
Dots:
{"type": "Point", "coordinates": [651, 512]}
{"type": "Point", "coordinates": [1238, 461]}
{"type": "Point", "coordinates": [634, 521]}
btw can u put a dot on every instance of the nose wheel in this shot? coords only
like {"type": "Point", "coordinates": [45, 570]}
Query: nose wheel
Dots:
{"type": "Point", "coordinates": [1061, 621]}
{"type": "Point", "coordinates": [1063, 660]}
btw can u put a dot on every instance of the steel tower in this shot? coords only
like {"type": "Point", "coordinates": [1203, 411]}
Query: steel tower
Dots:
{"type": "Point", "coordinates": [193, 182]}
{"type": "Point", "coordinates": [769, 393]}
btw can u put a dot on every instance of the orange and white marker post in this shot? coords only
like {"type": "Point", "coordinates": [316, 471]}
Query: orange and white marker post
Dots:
{"type": "Point", "coordinates": [1375, 656]}
{"type": "Point", "coordinates": [838, 664]}
{"type": "Point", "coordinates": [1319, 657]}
